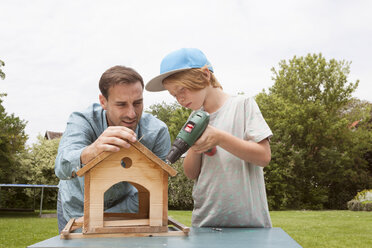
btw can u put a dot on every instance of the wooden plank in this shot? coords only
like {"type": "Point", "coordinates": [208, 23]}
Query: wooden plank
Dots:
{"type": "Point", "coordinates": [171, 171]}
{"type": "Point", "coordinates": [79, 221]}
{"type": "Point", "coordinates": [68, 227]}
{"type": "Point", "coordinates": [125, 216]}
{"type": "Point", "coordinates": [86, 203]}
{"type": "Point", "coordinates": [93, 163]}
{"type": "Point", "coordinates": [118, 235]}
{"type": "Point", "coordinates": [134, 229]}
{"type": "Point", "coordinates": [156, 214]}
{"type": "Point", "coordinates": [143, 200]}
{"type": "Point", "coordinates": [179, 225]}
{"type": "Point", "coordinates": [140, 147]}
{"type": "Point", "coordinates": [138, 222]}
{"type": "Point", "coordinates": [165, 199]}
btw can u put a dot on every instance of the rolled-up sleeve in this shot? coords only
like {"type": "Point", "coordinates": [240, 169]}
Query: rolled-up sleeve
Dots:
{"type": "Point", "coordinates": [162, 143]}
{"type": "Point", "coordinates": [77, 136]}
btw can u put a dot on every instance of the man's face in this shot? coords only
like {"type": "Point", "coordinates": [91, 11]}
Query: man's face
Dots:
{"type": "Point", "coordinates": [124, 105]}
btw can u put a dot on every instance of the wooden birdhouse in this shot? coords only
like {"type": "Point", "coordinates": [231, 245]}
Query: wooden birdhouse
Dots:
{"type": "Point", "coordinates": [145, 171]}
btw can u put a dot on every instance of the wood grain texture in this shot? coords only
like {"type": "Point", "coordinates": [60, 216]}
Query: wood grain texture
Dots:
{"type": "Point", "coordinates": [143, 170]}
{"type": "Point", "coordinates": [179, 225]}
{"type": "Point", "coordinates": [131, 229]}
{"type": "Point", "coordinates": [118, 235]}
{"type": "Point", "coordinates": [125, 223]}
{"type": "Point", "coordinates": [165, 199]}
{"type": "Point", "coordinates": [137, 145]}
{"type": "Point", "coordinates": [68, 227]}
{"type": "Point", "coordinates": [86, 203]}
{"type": "Point", "coordinates": [92, 163]}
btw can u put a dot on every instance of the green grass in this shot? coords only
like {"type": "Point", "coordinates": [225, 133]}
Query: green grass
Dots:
{"type": "Point", "coordinates": [23, 229]}
{"type": "Point", "coordinates": [314, 229]}
{"type": "Point", "coordinates": [326, 228]}
{"type": "Point", "coordinates": [311, 229]}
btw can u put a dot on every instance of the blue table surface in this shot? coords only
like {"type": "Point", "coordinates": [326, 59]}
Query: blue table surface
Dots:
{"type": "Point", "coordinates": [198, 237]}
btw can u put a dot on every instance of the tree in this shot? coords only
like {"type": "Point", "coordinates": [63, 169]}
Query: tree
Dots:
{"type": "Point", "coordinates": [317, 161]}
{"type": "Point", "coordinates": [37, 167]}
{"type": "Point", "coordinates": [180, 189]}
{"type": "Point", "coordinates": [2, 74]}
{"type": "Point", "coordinates": [39, 161]}
{"type": "Point", "coordinates": [173, 115]}
{"type": "Point", "coordinates": [12, 141]}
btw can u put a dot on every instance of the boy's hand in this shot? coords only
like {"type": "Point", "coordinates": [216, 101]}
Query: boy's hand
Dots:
{"type": "Point", "coordinates": [208, 140]}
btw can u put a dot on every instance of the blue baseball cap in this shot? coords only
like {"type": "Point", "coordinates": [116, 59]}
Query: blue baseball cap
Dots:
{"type": "Point", "coordinates": [179, 60]}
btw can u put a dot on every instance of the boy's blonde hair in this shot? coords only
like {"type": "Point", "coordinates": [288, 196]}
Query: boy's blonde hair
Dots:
{"type": "Point", "coordinates": [193, 79]}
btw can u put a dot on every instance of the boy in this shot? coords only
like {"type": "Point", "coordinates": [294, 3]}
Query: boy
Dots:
{"type": "Point", "coordinates": [229, 189]}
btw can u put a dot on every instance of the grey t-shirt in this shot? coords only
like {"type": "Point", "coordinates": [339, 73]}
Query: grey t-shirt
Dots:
{"type": "Point", "coordinates": [230, 192]}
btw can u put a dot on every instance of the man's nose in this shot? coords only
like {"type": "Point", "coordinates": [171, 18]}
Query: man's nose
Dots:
{"type": "Point", "coordinates": [131, 112]}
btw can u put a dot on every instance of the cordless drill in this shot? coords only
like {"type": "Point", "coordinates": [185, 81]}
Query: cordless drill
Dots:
{"type": "Point", "coordinates": [189, 134]}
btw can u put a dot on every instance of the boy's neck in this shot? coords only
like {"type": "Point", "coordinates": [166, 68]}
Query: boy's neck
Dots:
{"type": "Point", "coordinates": [214, 99]}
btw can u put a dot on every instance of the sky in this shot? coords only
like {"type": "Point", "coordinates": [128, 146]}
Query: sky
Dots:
{"type": "Point", "coordinates": [56, 51]}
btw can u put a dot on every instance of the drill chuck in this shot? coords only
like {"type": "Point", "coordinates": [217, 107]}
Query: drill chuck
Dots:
{"type": "Point", "coordinates": [179, 147]}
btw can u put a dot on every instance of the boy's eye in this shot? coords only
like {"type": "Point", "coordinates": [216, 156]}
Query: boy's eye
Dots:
{"type": "Point", "coordinates": [179, 93]}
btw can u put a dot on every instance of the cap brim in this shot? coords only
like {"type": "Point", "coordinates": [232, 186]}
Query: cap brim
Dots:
{"type": "Point", "coordinates": [156, 84]}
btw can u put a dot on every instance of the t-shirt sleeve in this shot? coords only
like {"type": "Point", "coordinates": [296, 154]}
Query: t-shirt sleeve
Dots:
{"type": "Point", "coordinates": [256, 128]}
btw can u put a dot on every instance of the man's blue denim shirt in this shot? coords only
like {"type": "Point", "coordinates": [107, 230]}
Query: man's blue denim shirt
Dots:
{"type": "Point", "coordinates": [82, 129]}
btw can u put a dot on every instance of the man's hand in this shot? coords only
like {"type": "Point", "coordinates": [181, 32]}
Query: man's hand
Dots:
{"type": "Point", "coordinates": [111, 140]}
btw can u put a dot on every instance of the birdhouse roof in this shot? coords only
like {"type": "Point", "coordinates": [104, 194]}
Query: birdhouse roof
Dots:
{"type": "Point", "coordinates": [141, 148]}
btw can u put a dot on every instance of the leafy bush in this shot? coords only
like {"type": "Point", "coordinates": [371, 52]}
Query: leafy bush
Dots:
{"type": "Point", "coordinates": [361, 202]}
{"type": "Point", "coordinates": [36, 166]}
{"type": "Point", "coordinates": [173, 115]}
{"type": "Point", "coordinates": [355, 205]}
{"type": "Point", "coordinates": [180, 190]}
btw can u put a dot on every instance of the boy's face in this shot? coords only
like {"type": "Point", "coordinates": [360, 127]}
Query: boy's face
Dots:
{"type": "Point", "coordinates": [124, 105]}
{"type": "Point", "coordinates": [192, 99]}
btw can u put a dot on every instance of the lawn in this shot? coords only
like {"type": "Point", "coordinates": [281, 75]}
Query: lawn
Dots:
{"type": "Point", "coordinates": [311, 229]}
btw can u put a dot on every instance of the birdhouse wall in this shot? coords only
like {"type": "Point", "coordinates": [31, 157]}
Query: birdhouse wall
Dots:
{"type": "Point", "coordinates": [139, 171]}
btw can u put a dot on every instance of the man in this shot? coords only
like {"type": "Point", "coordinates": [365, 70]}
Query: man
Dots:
{"type": "Point", "coordinates": [106, 127]}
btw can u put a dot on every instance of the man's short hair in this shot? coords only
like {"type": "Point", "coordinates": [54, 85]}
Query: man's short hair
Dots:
{"type": "Point", "coordinates": [118, 75]}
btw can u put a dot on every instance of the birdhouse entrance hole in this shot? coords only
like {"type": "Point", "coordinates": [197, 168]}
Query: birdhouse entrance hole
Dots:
{"type": "Point", "coordinates": [126, 162]}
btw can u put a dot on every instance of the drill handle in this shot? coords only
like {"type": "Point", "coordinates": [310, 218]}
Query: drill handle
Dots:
{"type": "Point", "coordinates": [211, 151]}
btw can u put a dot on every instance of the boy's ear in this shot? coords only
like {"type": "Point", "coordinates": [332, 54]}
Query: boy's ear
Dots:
{"type": "Point", "coordinates": [103, 101]}
{"type": "Point", "coordinates": [206, 73]}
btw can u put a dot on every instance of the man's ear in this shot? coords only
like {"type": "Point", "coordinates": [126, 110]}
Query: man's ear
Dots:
{"type": "Point", "coordinates": [103, 101]}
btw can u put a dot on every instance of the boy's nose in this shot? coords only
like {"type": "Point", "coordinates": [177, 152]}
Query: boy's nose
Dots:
{"type": "Point", "coordinates": [181, 99]}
